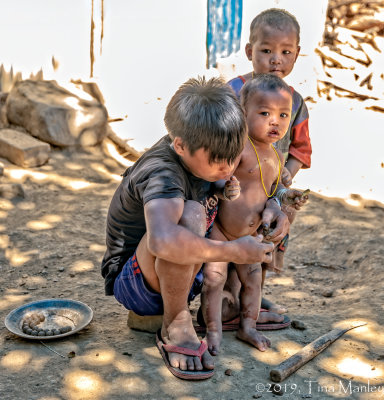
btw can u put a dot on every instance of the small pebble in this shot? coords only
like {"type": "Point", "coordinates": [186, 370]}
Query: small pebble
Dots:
{"type": "Point", "coordinates": [228, 372]}
{"type": "Point", "coordinates": [127, 354]}
{"type": "Point", "coordinates": [56, 332]}
{"type": "Point", "coordinates": [34, 333]}
{"type": "Point", "coordinates": [48, 332]}
{"type": "Point", "coordinates": [257, 396]}
{"type": "Point", "coordinates": [41, 333]}
{"type": "Point", "coordinates": [327, 293]}
{"type": "Point", "coordinates": [298, 325]}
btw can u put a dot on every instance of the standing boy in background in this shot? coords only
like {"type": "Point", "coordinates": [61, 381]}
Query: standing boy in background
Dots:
{"type": "Point", "coordinates": [273, 48]}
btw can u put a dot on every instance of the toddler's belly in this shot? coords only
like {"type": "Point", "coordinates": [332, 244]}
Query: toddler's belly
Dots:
{"type": "Point", "coordinates": [240, 220]}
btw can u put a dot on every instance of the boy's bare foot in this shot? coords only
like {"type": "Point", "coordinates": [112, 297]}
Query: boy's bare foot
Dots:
{"type": "Point", "coordinates": [214, 341]}
{"type": "Point", "coordinates": [273, 307]}
{"type": "Point", "coordinates": [183, 335]}
{"type": "Point", "coordinates": [267, 316]}
{"type": "Point", "coordinates": [253, 337]}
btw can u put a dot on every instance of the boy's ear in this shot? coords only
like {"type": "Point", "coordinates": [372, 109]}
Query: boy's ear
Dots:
{"type": "Point", "coordinates": [179, 146]}
{"type": "Point", "coordinates": [298, 52]}
{"type": "Point", "coordinates": [248, 51]}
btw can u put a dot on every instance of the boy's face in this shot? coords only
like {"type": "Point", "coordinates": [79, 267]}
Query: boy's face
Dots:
{"type": "Point", "coordinates": [274, 51]}
{"type": "Point", "coordinates": [268, 115]}
{"type": "Point", "coordinates": [198, 163]}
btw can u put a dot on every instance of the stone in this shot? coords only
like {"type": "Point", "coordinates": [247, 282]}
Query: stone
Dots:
{"type": "Point", "coordinates": [298, 325]}
{"type": "Point", "coordinates": [147, 323]}
{"type": "Point", "coordinates": [327, 293]}
{"type": "Point", "coordinates": [55, 115]}
{"type": "Point", "coordinates": [11, 190]}
{"type": "Point", "coordinates": [23, 149]}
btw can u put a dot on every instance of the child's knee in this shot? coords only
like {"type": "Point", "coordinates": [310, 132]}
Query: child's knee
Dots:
{"type": "Point", "coordinates": [215, 277]}
{"type": "Point", "coordinates": [193, 217]}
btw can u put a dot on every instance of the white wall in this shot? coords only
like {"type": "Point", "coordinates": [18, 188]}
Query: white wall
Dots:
{"type": "Point", "coordinates": [151, 46]}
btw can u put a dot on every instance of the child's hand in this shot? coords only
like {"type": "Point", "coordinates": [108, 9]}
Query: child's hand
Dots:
{"type": "Point", "coordinates": [286, 177]}
{"type": "Point", "coordinates": [231, 189]}
{"type": "Point", "coordinates": [294, 198]}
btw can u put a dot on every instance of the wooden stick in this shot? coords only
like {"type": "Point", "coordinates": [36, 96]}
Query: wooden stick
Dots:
{"type": "Point", "coordinates": [124, 147]}
{"type": "Point", "coordinates": [311, 350]}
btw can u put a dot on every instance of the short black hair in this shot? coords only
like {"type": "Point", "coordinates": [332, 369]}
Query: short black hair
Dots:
{"type": "Point", "coordinates": [207, 114]}
{"type": "Point", "coordinates": [262, 83]}
{"type": "Point", "coordinates": [275, 18]}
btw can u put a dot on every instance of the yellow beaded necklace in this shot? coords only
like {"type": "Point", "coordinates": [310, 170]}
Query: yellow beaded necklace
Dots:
{"type": "Point", "coordinates": [261, 174]}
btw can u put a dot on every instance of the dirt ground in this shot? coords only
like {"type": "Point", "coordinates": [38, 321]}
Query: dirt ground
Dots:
{"type": "Point", "coordinates": [51, 246]}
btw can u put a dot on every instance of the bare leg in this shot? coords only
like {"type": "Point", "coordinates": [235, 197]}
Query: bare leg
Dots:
{"type": "Point", "coordinates": [278, 266]}
{"type": "Point", "coordinates": [272, 307]}
{"type": "Point", "coordinates": [211, 301]}
{"type": "Point", "coordinates": [161, 276]}
{"type": "Point", "coordinates": [231, 300]}
{"type": "Point", "coordinates": [250, 299]}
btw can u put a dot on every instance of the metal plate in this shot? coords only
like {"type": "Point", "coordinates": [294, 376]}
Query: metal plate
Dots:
{"type": "Point", "coordinates": [57, 312]}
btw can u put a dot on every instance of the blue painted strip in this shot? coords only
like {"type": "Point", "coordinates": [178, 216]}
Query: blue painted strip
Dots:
{"type": "Point", "coordinates": [224, 18]}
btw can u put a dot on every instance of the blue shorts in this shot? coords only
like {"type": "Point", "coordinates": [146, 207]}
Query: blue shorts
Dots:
{"type": "Point", "coordinates": [131, 290]}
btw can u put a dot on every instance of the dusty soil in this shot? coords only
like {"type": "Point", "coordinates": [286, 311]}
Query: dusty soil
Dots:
{"type": "Point", "coordinates": [52, 243]}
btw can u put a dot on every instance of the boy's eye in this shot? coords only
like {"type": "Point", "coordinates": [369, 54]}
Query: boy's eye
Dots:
{"type": "Point", "coordinates": [265, 113]}
{"type": "Point", "coordinates": [267, 51]}
{"type": "Point", "coordinates": [286, 52]}
{"type": "Point", "coordinates": [284, 115]}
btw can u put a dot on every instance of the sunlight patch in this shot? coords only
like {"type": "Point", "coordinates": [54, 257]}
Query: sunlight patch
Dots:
{"type": "Point", "coordinates": [82, 266]}
{"type": "Point", "coordinates": [283, 280]}
{"type": "Point", "coordinates": [357, 367]}
{"type": "Point", "coordinates": [26, 205]}
{"type": "Point", "coordinates": [13, 300]}
{"type": "Point", "coordinates": [295, 294]}
{"type": "Point", "coordinates": [86, 385]}
{"type": "Point", "coordinates": [20, 174]}
{"type": "Point", "coordinates": [97, 247]}
{"type": "Point", "coordinates": [39, 225]}
{"type": "Point", "coordinates": [76, 185]}
{"type": "Point", "coordinates": [16, 360]}
{"type": "Point", "coordinates": [3, 215]}
{"type": "Point", "coordinates": [16, 258]}
{"type": "Point", "coordinates": [6, 205]}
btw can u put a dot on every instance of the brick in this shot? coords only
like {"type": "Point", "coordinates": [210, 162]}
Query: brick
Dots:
{"type": "Point", "coordinates": [23, 149]}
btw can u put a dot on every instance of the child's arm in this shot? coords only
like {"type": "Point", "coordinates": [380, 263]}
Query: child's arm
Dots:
{"type": "Point", "coordinates": [172, 242]}
{"type": "Point", "coordinates": [300, 149]}
{"type": "Point", "coordinates": [293, 165]}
